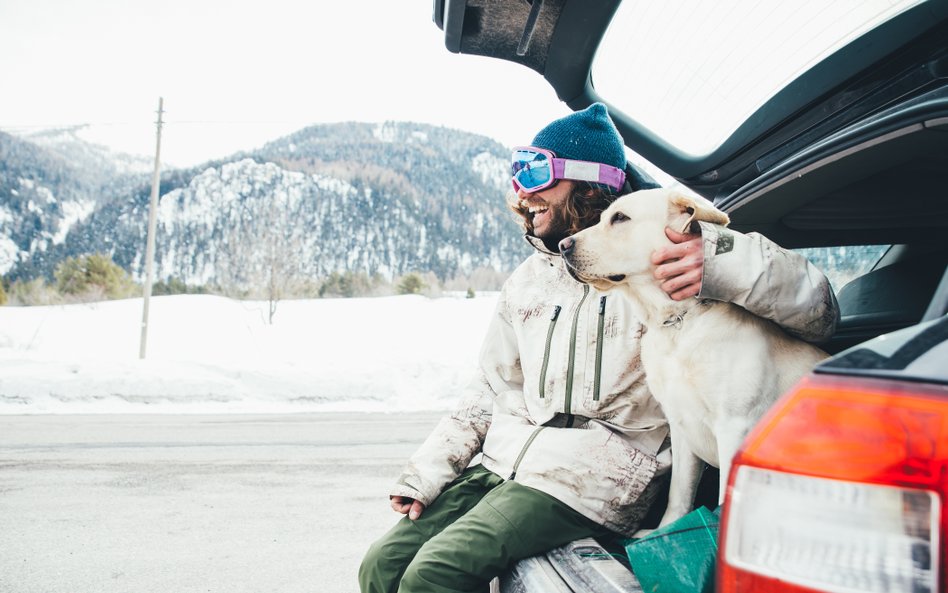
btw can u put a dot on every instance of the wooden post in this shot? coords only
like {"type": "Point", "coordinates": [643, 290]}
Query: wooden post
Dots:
{"type": "Point", "coordinates": [150, 240]}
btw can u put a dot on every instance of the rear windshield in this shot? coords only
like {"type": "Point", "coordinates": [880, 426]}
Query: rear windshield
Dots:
{"type": "Point", "coordinates": [693, 71]}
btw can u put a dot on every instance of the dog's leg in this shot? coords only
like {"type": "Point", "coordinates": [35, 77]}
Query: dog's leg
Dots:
{"type": "Point", "coordinates": [730, 434]}
{"type": "Point", "coordinates": [686, 472]}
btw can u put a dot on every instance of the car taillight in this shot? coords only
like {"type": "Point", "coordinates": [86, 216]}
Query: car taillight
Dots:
{"type": "Point", "coordinates": [841, 488]}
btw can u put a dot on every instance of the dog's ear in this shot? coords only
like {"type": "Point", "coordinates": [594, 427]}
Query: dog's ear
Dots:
{"type": "Point", "coordinates": [686, 210]}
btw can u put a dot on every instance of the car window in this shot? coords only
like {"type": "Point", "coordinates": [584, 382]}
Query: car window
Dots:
{"type": "Point", "coordinates": [691, 87]}
{"type": "Point", "coordinates": [843, 263]}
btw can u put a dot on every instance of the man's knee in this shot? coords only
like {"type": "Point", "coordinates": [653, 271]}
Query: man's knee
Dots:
{"type": "Point", "coordinates": [434, 571]}
{"type": "Point", "coordinates": [377, 573]}
{"type": "Point", "coordinates": [423, 575]}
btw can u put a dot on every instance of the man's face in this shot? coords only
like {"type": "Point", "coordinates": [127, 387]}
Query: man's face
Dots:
{"type": "Point", "coordinates": [548, 210]}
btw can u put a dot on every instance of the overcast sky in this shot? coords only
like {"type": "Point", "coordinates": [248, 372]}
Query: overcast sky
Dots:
{"type": "Point", "coordinates": [237, 73]}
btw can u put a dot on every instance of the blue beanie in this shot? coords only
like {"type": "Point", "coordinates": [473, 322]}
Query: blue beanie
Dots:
{"type": "Point", "coordinates": [587, 135]}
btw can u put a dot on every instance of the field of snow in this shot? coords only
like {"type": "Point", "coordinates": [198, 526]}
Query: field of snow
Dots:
{"type": "Point", "coordinates": [209, 354]}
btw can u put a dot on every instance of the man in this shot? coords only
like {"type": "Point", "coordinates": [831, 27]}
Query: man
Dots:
{"type": "Point", "coordinates": [569, 436]}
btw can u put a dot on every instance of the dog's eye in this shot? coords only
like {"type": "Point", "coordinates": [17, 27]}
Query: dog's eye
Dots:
{"type": "Point", "coordinates": [618, 217]}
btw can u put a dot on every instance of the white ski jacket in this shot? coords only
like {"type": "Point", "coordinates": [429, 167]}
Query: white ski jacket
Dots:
{"type": "Point", "coordinates": [560, 402]}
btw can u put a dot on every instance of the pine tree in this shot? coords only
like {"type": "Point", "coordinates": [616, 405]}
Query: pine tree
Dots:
{"type": "Point", "coordinates": [93, 276]}
{"type": "Point", "coordinates": [411, 284]}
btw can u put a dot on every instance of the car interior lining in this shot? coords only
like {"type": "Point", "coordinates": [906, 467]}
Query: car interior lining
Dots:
{"type": "Point", "coordinates": [518, 31]}
{"type": "Point", "coordinates": [884, 191]}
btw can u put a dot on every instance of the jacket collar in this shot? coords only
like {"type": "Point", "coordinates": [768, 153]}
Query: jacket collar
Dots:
{"type": "Point", "coordinates": [538, 244]}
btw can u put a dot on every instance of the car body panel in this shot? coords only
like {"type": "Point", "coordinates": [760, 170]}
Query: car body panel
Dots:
{"type": "Point", "coordinates": [582, 565]}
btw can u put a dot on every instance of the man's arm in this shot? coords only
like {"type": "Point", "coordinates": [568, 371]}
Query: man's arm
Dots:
{"type": "Point", "coordinates": [458, 437]}
{"type": "Point", "coordinates": [753, 272]}
{"type": "Point", "coordinates": [444, 454]}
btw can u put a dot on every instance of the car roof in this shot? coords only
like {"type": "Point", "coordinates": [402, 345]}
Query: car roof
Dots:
{"type": "Point", "coordinates": [848, 99]}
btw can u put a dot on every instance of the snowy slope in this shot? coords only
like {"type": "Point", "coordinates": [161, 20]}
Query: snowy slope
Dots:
{"type": "Point", "coordinates": [211, 354]}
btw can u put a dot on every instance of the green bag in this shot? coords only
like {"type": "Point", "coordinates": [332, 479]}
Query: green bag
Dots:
{"type": "Point", "coordinates": [678, 558]}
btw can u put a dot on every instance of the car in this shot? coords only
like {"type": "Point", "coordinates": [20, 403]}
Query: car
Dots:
{"type": "Point", "coordinates": [823, 126]}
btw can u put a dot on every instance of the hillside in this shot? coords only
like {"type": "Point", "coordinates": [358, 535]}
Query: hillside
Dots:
{"type": "Point", "coordinates": [352, 197]}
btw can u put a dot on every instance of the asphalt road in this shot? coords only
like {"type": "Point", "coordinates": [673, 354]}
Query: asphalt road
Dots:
{"type": "Point", "coordinates": [176, 504]}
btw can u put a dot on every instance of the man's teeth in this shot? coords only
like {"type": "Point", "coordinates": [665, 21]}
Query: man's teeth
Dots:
{"type": "Point", "coordinates": [533, 208]}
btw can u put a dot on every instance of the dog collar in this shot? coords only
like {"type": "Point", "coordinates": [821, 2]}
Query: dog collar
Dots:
{"type": "Point", "coordinates": [678, 318]}
{"type": "Point", "coordinates": [675, 320]}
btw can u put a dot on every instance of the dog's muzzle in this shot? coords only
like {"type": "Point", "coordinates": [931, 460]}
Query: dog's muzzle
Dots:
{"type": "Point", "coordinates": [568, 251]}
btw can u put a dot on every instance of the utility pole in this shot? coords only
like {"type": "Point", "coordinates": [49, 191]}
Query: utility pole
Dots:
{"type": "Point", "coordinates": [150, 240]}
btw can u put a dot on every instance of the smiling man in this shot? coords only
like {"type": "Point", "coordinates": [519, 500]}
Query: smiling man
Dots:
{"type": "Point", "coordinates": [550, 193]}
{"type": "Point", "coordinates": [572, 443]}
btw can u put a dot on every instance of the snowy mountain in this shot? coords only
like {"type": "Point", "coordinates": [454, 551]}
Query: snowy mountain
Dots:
{"type": "Point", "coordinates": [71, 144]}
{"type": "Point", "coordinates": [375, 199]}
{"type": "Point", "coordinates": [48, 186]}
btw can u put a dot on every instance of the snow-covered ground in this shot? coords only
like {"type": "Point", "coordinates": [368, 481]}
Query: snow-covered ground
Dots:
{"type": "Point", "coordinates": [209, 354]}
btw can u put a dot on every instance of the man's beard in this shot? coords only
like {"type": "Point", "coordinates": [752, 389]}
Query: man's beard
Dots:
{"type": "Point", "coordinates": [556, 229]}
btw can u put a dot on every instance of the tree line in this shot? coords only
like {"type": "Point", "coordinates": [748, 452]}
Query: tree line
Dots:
{"type": "Point", "coordinates": [95, 277]}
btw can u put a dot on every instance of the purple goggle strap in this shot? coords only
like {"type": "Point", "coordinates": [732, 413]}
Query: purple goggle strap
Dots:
{"type": "Point", "coordinates": [587, 171]}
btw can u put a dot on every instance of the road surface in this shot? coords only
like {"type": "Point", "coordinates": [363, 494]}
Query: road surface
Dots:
{"type": "Point", "coordinates": [196, 503]}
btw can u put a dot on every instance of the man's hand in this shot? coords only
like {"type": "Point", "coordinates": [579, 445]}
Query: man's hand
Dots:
{"type": "Point", "coordinates": [680, 266]}
{"type": "Point", "coordinates": [409, 506]}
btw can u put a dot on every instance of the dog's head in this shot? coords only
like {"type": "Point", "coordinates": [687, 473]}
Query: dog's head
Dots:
{"type": "Point", "coordinates": [620, 246]}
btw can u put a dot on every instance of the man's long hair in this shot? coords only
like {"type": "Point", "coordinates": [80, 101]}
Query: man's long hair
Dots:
{"type": "Point", "coordinates": [583, 208]}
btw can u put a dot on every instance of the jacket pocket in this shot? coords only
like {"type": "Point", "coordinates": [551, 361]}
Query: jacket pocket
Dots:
{"type": "Point", "coordinates": [523, 451]}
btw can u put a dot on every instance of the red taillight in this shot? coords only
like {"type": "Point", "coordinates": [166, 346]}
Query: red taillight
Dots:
{"type": "Point", "coordinates": [841, 487]}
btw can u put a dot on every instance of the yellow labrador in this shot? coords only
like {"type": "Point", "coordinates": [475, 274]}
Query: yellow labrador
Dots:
{"type": "Point", "coordinates": [714, 367]}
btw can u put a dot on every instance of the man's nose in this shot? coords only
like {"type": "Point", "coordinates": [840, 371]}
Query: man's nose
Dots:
{"type": "Point", "coordinates": [566, 245]}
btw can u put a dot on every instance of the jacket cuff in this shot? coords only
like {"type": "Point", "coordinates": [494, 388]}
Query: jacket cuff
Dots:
{"type": "Point", "coordinates": [771, 282]}
{"type": "Point", "coordinates": [720, 273]}
{"type": "Point", "coordinates": [403, 488]}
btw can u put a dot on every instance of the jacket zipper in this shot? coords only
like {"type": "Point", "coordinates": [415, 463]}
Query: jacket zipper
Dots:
{"type": "Point", "coordinates": [599, 332]}
{"type": "Point", "coordinates": [546, 351]}
{"type": "Point", "coordinates": [523, 451]}
{"type": "Point", "coordinates": [568, 406]}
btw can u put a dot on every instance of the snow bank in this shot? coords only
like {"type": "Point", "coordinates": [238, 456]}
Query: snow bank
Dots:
{"type": "Point", "coordinates": [209, 354]}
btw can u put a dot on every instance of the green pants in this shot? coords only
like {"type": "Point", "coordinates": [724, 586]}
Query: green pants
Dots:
{"type": "Point", "coordinates": [474, 530]}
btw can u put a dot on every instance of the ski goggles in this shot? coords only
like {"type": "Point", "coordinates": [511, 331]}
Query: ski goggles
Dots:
{"type": "Point", "coordinates": [533, 169]}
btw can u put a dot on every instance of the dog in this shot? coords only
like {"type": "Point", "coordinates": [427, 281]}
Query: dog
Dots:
{"type": "Point", "coordinates": [714, 367]}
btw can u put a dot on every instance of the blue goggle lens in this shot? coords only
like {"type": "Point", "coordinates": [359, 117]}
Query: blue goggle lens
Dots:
{"type": "Point", "coordinates": [531, 169]}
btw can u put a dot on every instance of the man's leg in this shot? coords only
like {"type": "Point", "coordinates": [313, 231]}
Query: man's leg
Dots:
{"type": "Point", "coordinates": [387, 558]}
{"type": "Point", "coordinates": [511, 522]}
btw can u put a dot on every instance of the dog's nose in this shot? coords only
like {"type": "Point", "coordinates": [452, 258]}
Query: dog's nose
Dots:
{"type": "Point", "coordinates": [566, 245]}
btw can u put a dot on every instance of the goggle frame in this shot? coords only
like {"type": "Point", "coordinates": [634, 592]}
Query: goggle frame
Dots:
{"type": "Point", "coordinates": [575, 170]}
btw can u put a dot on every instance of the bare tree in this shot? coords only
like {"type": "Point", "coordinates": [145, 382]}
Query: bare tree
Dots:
{"type": "Point", "coordinates": [282, 231]}
{"type": "Point", "coordinates": [261, 254]}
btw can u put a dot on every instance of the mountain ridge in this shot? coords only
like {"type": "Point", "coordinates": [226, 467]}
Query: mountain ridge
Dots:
{"type": "Point", "coordinates": [378, 199]}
